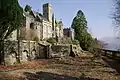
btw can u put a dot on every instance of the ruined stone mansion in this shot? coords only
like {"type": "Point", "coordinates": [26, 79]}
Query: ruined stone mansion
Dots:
{"type": "Point", "coordinates": [22, 46]}
{"type": "Point", "coordinates": [41, 26]}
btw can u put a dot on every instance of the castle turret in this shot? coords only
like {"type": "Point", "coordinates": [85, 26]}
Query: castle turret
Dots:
{"type": "Point", "coordinates": [47, 11]}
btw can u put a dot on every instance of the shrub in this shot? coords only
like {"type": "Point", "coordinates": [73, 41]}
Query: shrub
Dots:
{"type": "Point", "coordinates": [51, 40]}
{"type": "Point", "coordinates": [36, 38]}
{"type": "Point", "coordinates": [90, 49]}
{"type": "Point", "coordinates": [66, 40]}
{"type": "Point", "coordinates": [75, 42]}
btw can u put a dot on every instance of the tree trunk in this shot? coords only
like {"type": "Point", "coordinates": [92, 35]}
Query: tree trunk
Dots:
{"type": "Point", "coordinates": [3, 37]}
{"type": "Point", "coordinates": [18, 55]}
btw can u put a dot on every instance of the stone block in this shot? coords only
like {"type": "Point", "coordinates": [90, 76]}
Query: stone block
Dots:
{"type": "Point", "coordinates": [60, 50]}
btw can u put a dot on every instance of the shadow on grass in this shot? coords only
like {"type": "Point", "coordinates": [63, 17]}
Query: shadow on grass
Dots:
{"type": "Point", "coordinates": [51, 76]}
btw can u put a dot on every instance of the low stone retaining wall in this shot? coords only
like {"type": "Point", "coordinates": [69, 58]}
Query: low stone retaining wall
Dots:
{"type": "Point", "coordinates": [13, 52]}
{"type": "Point", "coordinates": [59, 51]}
{"type": "Point", "coordinates": [16, 51]}
{"type": "Point", "coordinates": [21, 51]}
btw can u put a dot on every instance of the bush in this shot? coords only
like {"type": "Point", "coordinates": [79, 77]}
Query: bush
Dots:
{"type": "Point", "coordinates": [51, 40]}
{"type": "Point", "coordinates": [65, 40]}
{"type": "Point", "coordinates": [36, 39]}
{"type": "Point", "coordinates": [91, 49]}
{"type": "Point", "coordinates": [75, 42]}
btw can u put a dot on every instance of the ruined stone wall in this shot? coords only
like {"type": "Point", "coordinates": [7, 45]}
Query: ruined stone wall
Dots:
{"type": "Point", "coordinates": [28, 50]}
{"type": "Point", "coordinates": [59, 51]}
{"type": "Point", "coordinates": [76, 50]}
{"type": "Point", "coordinates": [23, 51]}
{"type": "Point", "coordinates": [10, 52]}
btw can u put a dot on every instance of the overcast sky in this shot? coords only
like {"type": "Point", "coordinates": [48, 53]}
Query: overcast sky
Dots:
{"type": "Point", "coordinates": [97, 12]}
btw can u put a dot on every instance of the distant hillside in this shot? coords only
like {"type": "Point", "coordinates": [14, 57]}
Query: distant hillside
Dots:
{"type": "Point", "coordinates": [112, 43]}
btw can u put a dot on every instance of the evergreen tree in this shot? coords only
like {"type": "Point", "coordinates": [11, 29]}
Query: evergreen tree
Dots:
{"type": "Point", "coordinates": [27, 8]}
{"type": "Point", "coordinates": [11, 16]}
{"type": "Point", "coordinates": [79, 24]}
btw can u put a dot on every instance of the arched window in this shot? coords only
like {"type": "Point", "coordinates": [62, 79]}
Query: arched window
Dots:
{"type": "Point", "coordinates": [25, 55]}
{"type": "Point", "coordinates": [33, 53]}
{"type": "Point", "coordinates": [32, 25]}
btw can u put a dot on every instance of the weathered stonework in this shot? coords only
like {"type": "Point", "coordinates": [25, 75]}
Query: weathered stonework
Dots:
{"type": "Point", "coordinates": [76, 50]}
{"type": "Point", "coordinates": [10, 50]}
{"type": "Point", "coordinates": [40, 26]}
{"type": "Point", "coordinates": [35, 28]}
{"type": "Point", "coordinates": [22, 51]}
{"type": "Point", "coordinates": [28, 50]}
{"type": "Point", "coordinates": [69, 32]}
{"type": "Point", "coordinates": [59, 51]}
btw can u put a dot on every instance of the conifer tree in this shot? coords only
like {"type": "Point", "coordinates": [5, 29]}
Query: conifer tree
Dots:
{"type": "Point", "coordinates": [79, 24]}
{"type": "Point", "coordinates": [11, 16]}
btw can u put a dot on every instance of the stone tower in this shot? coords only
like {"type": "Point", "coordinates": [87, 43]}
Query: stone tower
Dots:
{"type": "Point", "coordinates": [47, 11]}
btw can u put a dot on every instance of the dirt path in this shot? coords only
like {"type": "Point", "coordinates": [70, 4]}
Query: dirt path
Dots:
{"type": "Point", "coordinates": [82, 68]}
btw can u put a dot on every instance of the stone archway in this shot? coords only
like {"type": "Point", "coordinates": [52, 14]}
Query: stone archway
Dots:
{"type": "Point", "coordinates": [25, 55]}
{"type": "Point", "coordinates": [33, 54]}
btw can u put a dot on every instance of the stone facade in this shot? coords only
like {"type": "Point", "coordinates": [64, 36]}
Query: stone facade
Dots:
{"type": "Point", "coordinates": [68, 32]}
{"type": "Point", "coordinates": [24, 50]}
{"type": "Point", "coordinates": [59, 28]}
{"type": "Point", "coordinates": [57, 51]}
{"type": "Point", "coordinates": [15, 51]}
{"type": "Point", "coordinates": [41, 26]}
{"type": "Point", "coordinates": [20, 47]}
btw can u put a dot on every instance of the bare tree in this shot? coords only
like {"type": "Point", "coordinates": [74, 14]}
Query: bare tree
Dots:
{"type": "Point", "coordinates": [116, 15]}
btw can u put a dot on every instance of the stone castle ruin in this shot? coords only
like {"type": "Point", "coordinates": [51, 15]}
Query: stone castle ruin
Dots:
{"type": "Point", "coordinates": [20, 51]}
{"type": "Point", "coordinates": [40, 26]}
{"type": "Point", "coordinates": [24, 44]}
